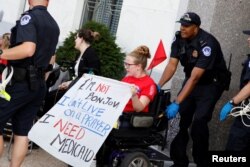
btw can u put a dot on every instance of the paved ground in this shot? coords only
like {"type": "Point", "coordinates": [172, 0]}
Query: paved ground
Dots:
{"type": "Point", "coordinates": [37, 158]}
{"type": "Point", "coordinates": [40, 158]}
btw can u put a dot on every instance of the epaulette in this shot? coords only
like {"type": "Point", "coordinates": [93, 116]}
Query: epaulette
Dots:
{"type": "Point", "coordinates": [203, 39]}
{"type": "Point", "coordinates": [24, 13]}
{"type": "Point", "coordinates": [177, 33]}
{"type": "Point", "coordinates": [202, 42]}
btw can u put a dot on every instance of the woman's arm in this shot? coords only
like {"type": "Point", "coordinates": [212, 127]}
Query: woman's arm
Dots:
{"type": "Point", "coordinates": [140, 104]}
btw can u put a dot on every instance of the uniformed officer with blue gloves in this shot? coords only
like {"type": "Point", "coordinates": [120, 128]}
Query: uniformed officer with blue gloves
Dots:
{"type": "Point", "coordinates": [33, 42]}
{"type": "Point", "coordinates": [205, 79]}
{"type": "Point", "coordinates": [239, 136]}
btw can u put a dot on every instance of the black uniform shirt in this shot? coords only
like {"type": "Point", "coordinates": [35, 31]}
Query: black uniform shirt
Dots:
{"type": "Point", "coordinates": [245, 75]}
{"type": "Point", "coordinates": [38, 26]}
{"type": "Point", "coordinates": [203, 51]}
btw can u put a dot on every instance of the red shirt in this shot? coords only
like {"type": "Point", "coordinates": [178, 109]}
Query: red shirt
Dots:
{"type": "Point", "coordinates": [146, 87]}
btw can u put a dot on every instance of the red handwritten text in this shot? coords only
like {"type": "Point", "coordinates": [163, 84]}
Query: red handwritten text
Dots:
{"type": "Point", "coordinates": [70, 129]}
{"type": "Point", "coordinates": [102, 88]}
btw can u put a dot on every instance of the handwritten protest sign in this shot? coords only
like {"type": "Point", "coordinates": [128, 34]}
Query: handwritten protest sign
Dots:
{"type": "Point", "coordinates": [75, 128]}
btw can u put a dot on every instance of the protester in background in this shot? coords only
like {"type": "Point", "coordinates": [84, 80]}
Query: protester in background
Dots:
{"type": "Point", "coordinates": [5, 41]}
{"type": "Point", "coordinates": [239, 136]}
{"type": "Point", "coordinates": [88, 60]}
{"type": "Point", "coordinates": [205, 71]}
{"type": "Point", "coordinates": [33, 42]}
{"type": "Point", "coordinates": [4, 44]}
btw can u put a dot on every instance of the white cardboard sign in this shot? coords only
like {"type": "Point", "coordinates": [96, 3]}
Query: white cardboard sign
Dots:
{"type": "Point", "coordinates": [77, 125]}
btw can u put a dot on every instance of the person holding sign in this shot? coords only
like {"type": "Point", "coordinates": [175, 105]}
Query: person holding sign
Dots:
{"type": "Point", "coordinates": [143, 89]}
{"type": "Point", "coordinates": [143, 92]}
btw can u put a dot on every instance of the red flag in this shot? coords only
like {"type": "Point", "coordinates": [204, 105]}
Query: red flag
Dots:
{"type": "Point", "coordinates": [160, 56]}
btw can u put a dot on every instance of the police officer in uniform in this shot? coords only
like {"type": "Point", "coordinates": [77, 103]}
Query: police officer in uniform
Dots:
{"type": "Point", "coordinates": [33, 42]}
{"type": "Point", "coordinates": [239, 136]}
{"type": "Point", "coordinates": [204, 67]}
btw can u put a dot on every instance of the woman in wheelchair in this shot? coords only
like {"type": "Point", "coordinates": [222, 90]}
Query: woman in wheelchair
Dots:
{"type": "Point", "coordinates": [143, 92]}
{"type": "Point", "coordinates": [143, 89]}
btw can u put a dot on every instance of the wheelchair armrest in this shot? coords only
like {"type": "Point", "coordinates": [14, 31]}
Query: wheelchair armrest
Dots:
{"type": "Point", "coordinates": [142, 121]}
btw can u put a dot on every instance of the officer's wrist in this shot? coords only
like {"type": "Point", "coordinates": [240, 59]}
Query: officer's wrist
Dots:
{"type": "Point", "coordinates": [176, 102]}
{"type": "Point", "coordinates": [232, 102]}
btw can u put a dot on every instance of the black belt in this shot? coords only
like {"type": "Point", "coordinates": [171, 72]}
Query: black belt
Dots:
{"type": "Point", "coordinates": [21, 74]}
{"type": "Point", "coordinates": [203, 81]}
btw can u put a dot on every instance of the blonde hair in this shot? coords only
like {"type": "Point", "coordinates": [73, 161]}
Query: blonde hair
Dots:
{"type": "Point", "coordinates": [5, 40]}
{"type": "Point", "coordinates": [141, 54]}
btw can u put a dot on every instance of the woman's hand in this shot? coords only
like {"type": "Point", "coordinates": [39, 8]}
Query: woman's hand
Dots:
{"type": "Point", "coordinates": [134, 89]}
{"type": "Point", "coordinates": [64, 85]}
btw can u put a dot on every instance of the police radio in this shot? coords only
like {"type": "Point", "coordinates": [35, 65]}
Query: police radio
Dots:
{"type": "Point", "coordinates": [228, 74]}
{"type": "Point", "coordinates": [32, 77]}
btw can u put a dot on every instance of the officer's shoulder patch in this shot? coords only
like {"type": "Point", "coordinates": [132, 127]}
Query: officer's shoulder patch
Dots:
{"type": "Point", "coordinates": [25, 19]}
{"type": "Point", "coordinates": [249, 64]}
{"type": "Point", "coordinates": [206, 51]}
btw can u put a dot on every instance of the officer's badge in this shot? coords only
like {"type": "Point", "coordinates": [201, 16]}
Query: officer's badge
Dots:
{"type": "Point", "coordinates": [25, 20]}
{"type": "Point", "coordinates": [206, 51]}
{"type": "Point", "coordinates": [195, 54]}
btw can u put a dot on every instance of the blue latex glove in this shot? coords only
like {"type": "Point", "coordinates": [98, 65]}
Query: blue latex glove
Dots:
{"type": "Point", "coordinates": [225, 110]}
{"type": "Point", "coordinates": [172, 110]}
{"type": "Point", "coordinates": [158, 88]}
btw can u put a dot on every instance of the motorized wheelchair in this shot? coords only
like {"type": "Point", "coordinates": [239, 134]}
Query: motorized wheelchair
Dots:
{"type": "Point", "coordinates": [131, 146]}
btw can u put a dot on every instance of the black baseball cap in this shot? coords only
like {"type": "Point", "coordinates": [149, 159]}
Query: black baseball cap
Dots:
{"type": "Point", "coordinates": [246, 32]}
{"type": "Point", "coordinates": [190, 18]}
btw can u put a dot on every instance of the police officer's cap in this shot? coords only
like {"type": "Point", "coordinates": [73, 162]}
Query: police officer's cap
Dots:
{"type": "Point", "coordinates": [190, 18]}
{"type": "Point", "coordinates": [246, 32]}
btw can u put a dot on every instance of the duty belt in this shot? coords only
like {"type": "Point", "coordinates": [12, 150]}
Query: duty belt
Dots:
{"type": "Point", "coordinates": [21, 74]}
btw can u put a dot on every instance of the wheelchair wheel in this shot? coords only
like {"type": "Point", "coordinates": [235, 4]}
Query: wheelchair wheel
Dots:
{"type": "Point", "coordinates": [136, 159]}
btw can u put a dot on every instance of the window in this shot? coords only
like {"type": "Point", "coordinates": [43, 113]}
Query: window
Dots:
{"type": "Point", "coordinates": [106, 12]}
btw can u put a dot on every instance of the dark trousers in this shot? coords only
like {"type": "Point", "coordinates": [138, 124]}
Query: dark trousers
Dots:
{"type": "Point", "coordinates": [239, 136]}
{"type": "Point", "coordinates": [197, 110]}
{"type": "Point", "coordinates": [51, 99]}
{"type": "Point", "coordinates": [23, 106]}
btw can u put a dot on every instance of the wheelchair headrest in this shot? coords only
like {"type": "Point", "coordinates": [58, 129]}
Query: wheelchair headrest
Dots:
{"type": "Point", "coordinates": [160, 101]}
